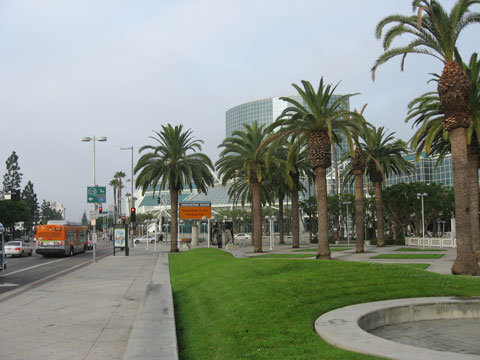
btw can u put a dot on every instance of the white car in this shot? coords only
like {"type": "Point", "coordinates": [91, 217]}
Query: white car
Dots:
{"type": "Point", "coordinates": [242, 236]}
{"type": "Point", "coordinates": [18, 248]}
{"type": "Point", "coordinates": [144, 239]}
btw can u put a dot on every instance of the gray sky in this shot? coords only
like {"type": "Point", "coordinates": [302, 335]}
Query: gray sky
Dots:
{"type": "Point", "coordinates": [120, 69]}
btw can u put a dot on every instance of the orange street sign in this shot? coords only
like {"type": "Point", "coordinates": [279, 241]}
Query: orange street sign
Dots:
{"type": "Point", "coordinates": [195, 210]}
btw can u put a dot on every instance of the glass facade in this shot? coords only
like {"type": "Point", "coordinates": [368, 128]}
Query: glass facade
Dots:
{"type": "Point", "coordinates": [427, 171]}
{"type": "Point", "coordinates": [264, 111]}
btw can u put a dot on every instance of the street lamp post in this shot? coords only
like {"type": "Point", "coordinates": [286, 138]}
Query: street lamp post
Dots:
{"type": "Point", "coordinates": [94, 139]}
{"type": "Point", "coordinates": [420, 195]}
{"type": "Point", "coordinates": [348, 230]}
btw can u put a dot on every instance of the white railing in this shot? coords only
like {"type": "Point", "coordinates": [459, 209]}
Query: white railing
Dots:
{"type": "Point", "coordinates": [431, 242]}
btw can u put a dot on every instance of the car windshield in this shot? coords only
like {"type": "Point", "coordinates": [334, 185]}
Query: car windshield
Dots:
{"type": "Point", "coordinates": [13, 243]}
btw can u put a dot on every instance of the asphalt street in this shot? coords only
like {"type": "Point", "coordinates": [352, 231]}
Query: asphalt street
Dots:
{"type": "Point", "coordinates": [36, 268]}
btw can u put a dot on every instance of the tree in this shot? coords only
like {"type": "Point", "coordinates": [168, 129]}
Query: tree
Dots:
{"type": "Point", "coordinates": [356, 169]}
{"type": "Point", "coordinates": [309, 208]}
{"type": "Point", "coordinates": [119, 175]}
{"type": "Point", "coordinates": [427, 112]}
{"type": "Point", "coordinates": [13, 177]}
{"type": "Point", "coordinates": [383, 157]}
{"type": "Point", "coordinates": [48, 213]}
{"type": "Point", "coordinates": [30, 198]}
{"type": "Point", "coordinates": [174, 162]}
{"type": "Point", "coordinates": [12, 211]}
{"type": "Point", "coordinates": [243, 158]}
{"type": "Point", "coordinates": [114, 183]}
{"type": "Point", "coordinates": [84, 220]}
{"type": "Point", "coordinates": [317, 124]}
{"type": "Point", "coordinates": [435, 32]}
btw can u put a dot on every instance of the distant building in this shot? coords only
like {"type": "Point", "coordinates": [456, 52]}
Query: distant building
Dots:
{"type": "Point", "coordinates": [55, 205]}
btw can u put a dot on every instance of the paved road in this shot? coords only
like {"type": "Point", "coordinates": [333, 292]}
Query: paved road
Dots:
{"type": "Point", "coordinates": [36, 268]}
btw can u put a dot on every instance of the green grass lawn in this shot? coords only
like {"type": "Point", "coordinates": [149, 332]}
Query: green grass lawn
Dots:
{"type": "Point", "coordinates": [284, 256]}
{"type": "Point", "coordinates": [407, 256]}
{"type": "Point", "coordinates": [233, 308]}
{"type": "Point", "coordinates": [417, 249]}
{"type": "Point", "coordinates": [331, 249]}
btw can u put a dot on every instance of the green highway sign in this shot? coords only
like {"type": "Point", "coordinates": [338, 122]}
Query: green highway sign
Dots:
{"type": "Point", "coordinates": [96, 194]}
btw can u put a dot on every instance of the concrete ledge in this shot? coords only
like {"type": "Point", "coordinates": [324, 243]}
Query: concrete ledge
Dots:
{"type": "Point", "coordinates": [153, 334]}
{"type": "Point", "coordinates": [346, 327]}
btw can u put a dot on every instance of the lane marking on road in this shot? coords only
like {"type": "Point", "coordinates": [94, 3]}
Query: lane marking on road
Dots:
{"type": "Point", "coordinates": [8, 284]}
{"type": "Point", "coordinates": [53, 276]}
{"type": "Point", "coordinates": [31, 267]}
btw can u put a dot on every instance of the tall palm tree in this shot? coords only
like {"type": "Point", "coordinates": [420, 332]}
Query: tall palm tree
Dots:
{"type": "Point", "coordinates": [242, 158]}
{"type": "Point", "coordinates": [119, 175]}
{"type": "Point", "coordinates": [173, 163]}
{"type": "Point", "coordinates": [297, 167]}
{"type": "Point", "coordinates": [435, 32]}
{"type": "Point", "coordinates": [317, 124]}
{"type": "Point", "coordinates": [427, 113]}
{"type": "Point", "coordinates": [114, 183]}
{"type": "Point", "coordinates": [383, 157]}
{"type": "Point", "coordinates": [356, 168]}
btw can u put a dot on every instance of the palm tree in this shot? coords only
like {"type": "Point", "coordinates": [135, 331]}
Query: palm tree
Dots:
{"type": "Point", "coordinates": [119, 175]}
{"type": "Point", "coordinates": [297, 167]}
{"type": "Point", "coordinates": [114, 183]}
{"type": "Point", "coordinates": [435, 33]}
{"type": "Point", "coordinates": [356, 168]}
{"type": "Point", "coordinates": [174, 162]}
{"type": "Point", "coordinates": [241, 158]}
{"type": "Point", "coordinates": [317, 124]}
{"type": "Point", "coordinates": [383, 156]}
{"type": "Point", "coordinates": [427, 113]}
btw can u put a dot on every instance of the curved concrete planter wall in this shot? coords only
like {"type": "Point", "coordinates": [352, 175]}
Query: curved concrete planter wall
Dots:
{"type": "Point", "coordinates": [348, 327]}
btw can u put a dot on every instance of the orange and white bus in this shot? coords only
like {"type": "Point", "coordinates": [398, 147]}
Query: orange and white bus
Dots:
{"type": "Point", "coordinates": [59, 237]}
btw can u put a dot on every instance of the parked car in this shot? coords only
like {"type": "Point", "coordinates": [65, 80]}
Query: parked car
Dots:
{"type": "Point", "coordinates": [18, 248]}
{"type": "Point", "coordinates": [144, 239]}
{"type": "Point", "coordinates": [242, 236]}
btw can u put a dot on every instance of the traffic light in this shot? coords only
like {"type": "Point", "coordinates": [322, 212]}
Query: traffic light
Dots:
{"type": "Point", "coordinates": [133, 216]}
{"type": "Point", "coordinates": [100, 210]}
{"type": "Point", "coordinates": [158, 200]}
{"type": "Point", "coordinates": [124, 218]}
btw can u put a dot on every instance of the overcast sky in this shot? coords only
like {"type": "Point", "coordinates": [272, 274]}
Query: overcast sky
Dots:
{"type": "Point", "coordinates": [120, 69]}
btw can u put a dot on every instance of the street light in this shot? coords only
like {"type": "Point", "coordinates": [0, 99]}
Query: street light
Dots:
{"type": "Point", "coordinates": [94, 139]}
{"type": "Point", "coordinates": [420, 195]}
{"type": "Point", "coordinates": [348, 231]}
{"type": "Point", "coordinates": [271, 219]}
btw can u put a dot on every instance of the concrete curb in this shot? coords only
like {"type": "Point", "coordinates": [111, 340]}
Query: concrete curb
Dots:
{"type": "Point", "coordinates": [154, 334]}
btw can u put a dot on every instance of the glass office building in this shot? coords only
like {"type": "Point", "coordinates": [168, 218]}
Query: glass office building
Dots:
{"type": "Point", "coordinates": [266, 111]}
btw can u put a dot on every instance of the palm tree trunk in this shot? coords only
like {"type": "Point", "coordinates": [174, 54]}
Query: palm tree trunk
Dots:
{"type": "Point", "coordinates": [114, 203]}
{"type": "Point", "coordinates": [280, 221]}
{"type": "Point", "coordinates": [472, 159]}
{"type": "Point", "coordinates": [295, 220]}
{"type": "Point", "coordinates": [465, 263]}
{"type": "Point", "coordinates": [322, 235]}
{"type": "Point", "coordinates": [379, 206]}
{"type": "Point", "coordinates": [173, 215]}
{"type": "Point", "coordinates": [359, 208]}
{"type": "Point", "coordinates": [257, 216]}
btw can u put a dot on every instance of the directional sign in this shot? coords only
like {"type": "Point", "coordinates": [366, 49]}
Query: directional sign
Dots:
{"type": "Point", "coordinates": [96, 194]}
{"type": "Point", "coordinates": [1, 228]}
{"type": "Point", "coordinates": [195, 210]}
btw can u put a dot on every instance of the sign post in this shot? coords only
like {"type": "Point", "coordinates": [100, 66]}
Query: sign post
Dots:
{"type": "Point", "coordinates": [3, 266]}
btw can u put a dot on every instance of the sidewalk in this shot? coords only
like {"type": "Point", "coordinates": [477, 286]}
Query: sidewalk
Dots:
{"type": "Point", "coordinates": [440, 266]}
{"type": "Point", "coordinates": [105, 310]}
{"type": "Point", "coordinates": [121, 307]}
